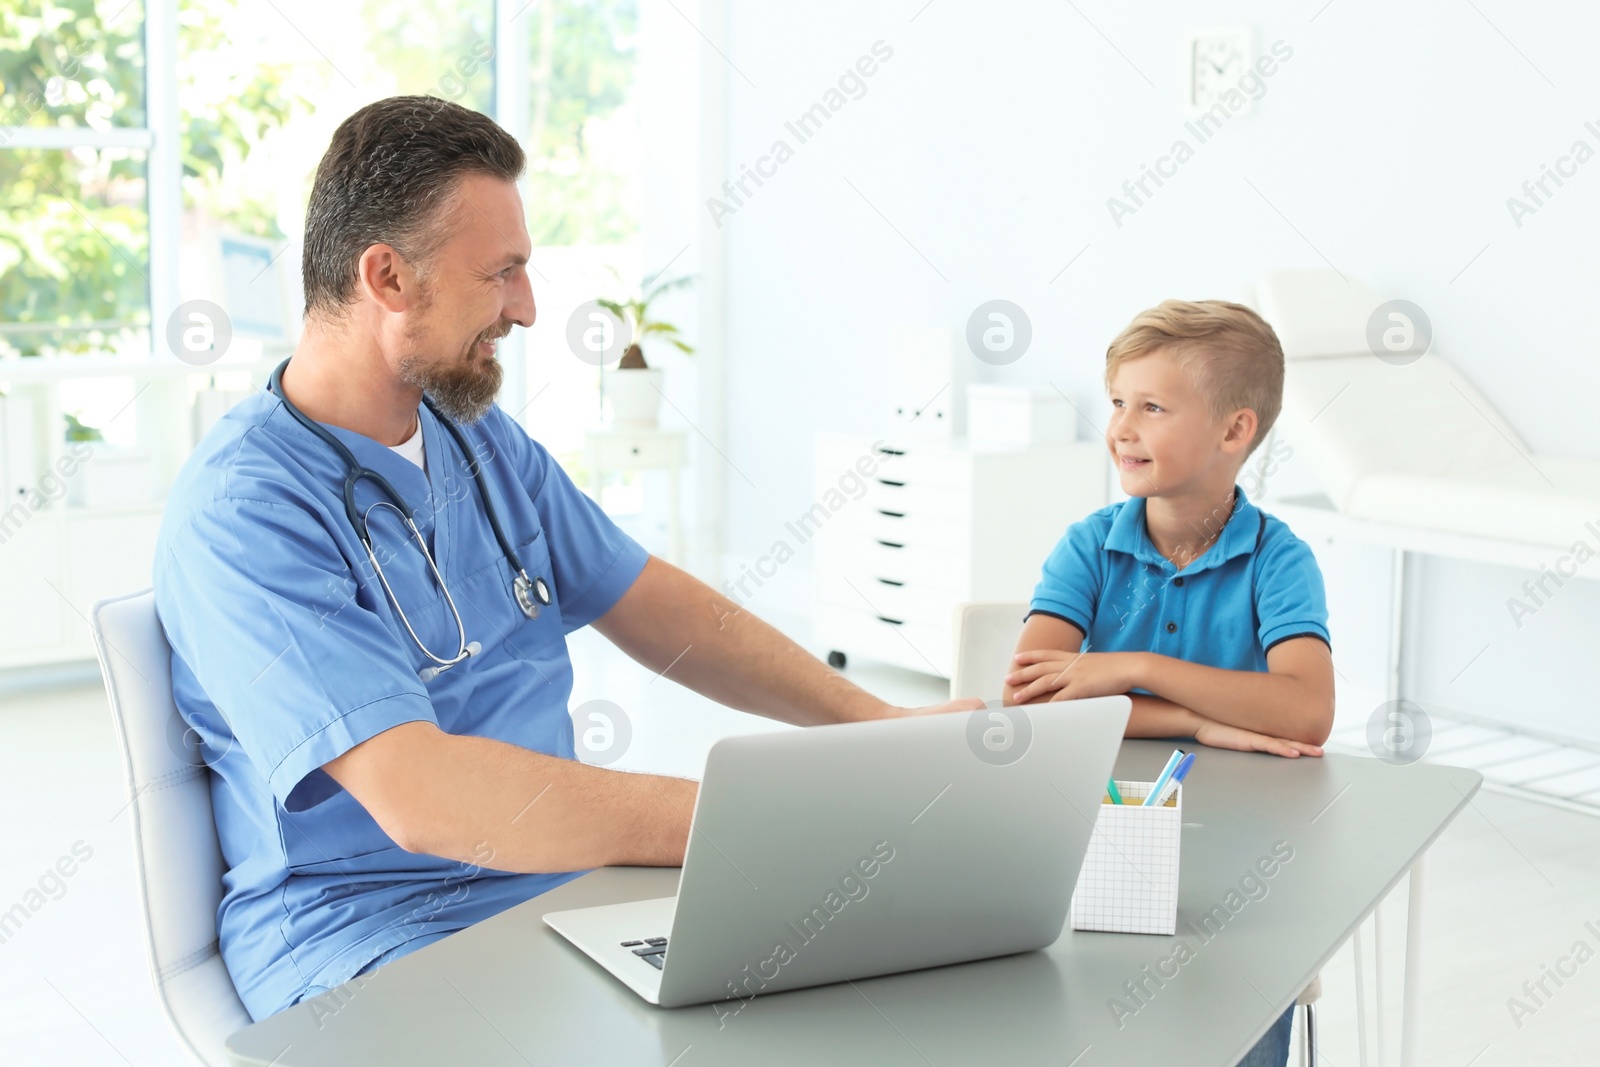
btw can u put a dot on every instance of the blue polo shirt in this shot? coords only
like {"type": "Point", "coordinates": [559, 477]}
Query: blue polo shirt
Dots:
{"type": "Point", "coordinates": [1257, 585]}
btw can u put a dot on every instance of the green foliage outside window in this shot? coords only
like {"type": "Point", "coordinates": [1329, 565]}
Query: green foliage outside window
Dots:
{"type": "Point", "coordinates": [74, 229]}
{"type": "Point", "coordinates": [583, 70]}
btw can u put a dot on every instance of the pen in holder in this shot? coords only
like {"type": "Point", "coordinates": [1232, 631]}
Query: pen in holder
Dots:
{"type": "Point", "coordinates": [1129, 879]}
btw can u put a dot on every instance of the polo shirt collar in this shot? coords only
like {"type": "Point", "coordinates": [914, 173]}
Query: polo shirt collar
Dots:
{"type": "Point", "coordinates": [1129, 535]}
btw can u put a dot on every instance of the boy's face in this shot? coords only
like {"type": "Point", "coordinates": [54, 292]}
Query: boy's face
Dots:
{"type": "Point", "coordinates": [1162, 436]}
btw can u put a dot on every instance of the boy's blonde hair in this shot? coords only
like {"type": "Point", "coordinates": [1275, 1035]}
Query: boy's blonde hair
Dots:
{"type": "Point", "coordinates": [1230, 353]}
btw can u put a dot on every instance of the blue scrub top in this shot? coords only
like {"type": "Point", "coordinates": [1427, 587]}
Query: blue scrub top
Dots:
{"type": "Point", "coordinates": [1257, 585]}
{"type": "Point", "coordinates": [287, 653]}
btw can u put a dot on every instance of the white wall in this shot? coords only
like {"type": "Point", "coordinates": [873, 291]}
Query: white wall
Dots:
{"type": "Point", "coordinates": [978, 165]}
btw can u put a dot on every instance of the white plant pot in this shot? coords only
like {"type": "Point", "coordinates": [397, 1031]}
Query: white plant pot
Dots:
{"type": "Point", "coordinates": [635, 397]}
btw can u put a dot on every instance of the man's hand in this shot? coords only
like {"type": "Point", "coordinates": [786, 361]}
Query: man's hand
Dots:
{"type": "Point", "coordinates": [1050, 674]}
{"type": "Point", "coordinates": [680, 627]}
{"type": "Point", "coordinates": [1221, 735]}
{"type": "Point", "coordinates": [964, 704]}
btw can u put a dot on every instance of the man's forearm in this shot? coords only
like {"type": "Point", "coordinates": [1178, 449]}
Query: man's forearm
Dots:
{"type": "Point", "coordinates": [465, 798]}
{"type": "Point", "coordinates": [676, 624]}
{"type": "Point", "coordinates": [1279, 705]}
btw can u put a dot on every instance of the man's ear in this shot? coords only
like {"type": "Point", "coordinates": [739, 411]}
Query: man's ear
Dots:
{"type": "Point", "coordinates": [1241, 430]}
{"type": "Point", "coordinates": [386, 278]}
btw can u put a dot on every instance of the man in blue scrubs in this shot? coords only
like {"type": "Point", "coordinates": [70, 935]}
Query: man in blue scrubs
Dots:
{"type": "Point", "coordinates": [366, 809]}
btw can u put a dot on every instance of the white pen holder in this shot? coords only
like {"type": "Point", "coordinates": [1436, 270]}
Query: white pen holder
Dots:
{"type": "Point", "coordinates": [1129, 880]}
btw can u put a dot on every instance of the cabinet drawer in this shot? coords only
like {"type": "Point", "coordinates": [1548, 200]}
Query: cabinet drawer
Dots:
{"type": "Point", "coordinates": [916, 463]}
{"type": "Point", "coordinates": [908, 563]}
{"type": "Point", "coordinates": [642, 451]}
{"type": "Point", "coordinates": [889, 598]}
{"type": "Point", "coordinates": [912, 645]}
{"type": "Point", "coordinates": [904, 526]}
{"type": "Point", "coordinates": [918, 499]}
{"type": "Point", "coordinates": [92, 570]}
{"type": "Point", "coordinates": [29, 562]}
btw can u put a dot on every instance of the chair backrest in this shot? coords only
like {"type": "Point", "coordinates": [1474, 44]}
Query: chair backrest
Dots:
{"type": "Point", "coordinates": [1351, 414]}
{"type": "Point", "coordinates": [176, 855]}
{"type": "Point", "coordinates": [985, 637]}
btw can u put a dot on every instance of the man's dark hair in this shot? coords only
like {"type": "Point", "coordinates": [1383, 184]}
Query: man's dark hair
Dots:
{"type": "Point", "coordinates": [388, 177]}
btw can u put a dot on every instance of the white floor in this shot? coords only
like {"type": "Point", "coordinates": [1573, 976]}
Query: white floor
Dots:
{"type": "Point", "coordinates": [1510, 886]}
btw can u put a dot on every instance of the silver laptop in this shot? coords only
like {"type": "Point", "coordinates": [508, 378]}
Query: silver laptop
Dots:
{"type": "Point", "coordinates": [855, 850]}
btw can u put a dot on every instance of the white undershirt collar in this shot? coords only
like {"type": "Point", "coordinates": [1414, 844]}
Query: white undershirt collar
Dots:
{"type": "Point", "coordinates": [411, 448]}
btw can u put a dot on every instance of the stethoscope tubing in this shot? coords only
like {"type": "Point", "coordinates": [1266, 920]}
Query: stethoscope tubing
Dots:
{"type": "Point", "coordinates": [524, 587]}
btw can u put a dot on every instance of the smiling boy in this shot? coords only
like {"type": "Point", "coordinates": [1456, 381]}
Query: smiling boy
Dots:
{"type": "Point", "coordinates": [1207, 611]}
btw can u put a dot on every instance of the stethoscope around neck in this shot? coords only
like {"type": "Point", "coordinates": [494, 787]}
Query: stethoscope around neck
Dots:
{"type": "Point", "coordinates": [530, 593]}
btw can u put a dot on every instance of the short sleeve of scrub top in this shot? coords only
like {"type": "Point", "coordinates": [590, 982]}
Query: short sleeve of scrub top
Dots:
{"type": "Point", "coordinates": [328, 673]}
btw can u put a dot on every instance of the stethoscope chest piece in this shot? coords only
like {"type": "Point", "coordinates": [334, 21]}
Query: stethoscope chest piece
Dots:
{"type": "Point", "coordinates": [530, 594]}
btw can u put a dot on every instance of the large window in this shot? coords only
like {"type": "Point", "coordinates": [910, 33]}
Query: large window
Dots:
{"type": "Point", "coordinates": [260, 88]}
{"type": "Point", "coordinates": [74, 223]}
{"type": "Point", "coordinates": [262, 94]}
{"type": "Point", "coordinates": [86, 250]}
{"type": "Point", "coordinates": [582, 134]}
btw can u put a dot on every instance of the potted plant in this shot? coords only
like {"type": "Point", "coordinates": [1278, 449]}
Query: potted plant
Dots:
{"type": "Point", "coordinates": [636, 386]}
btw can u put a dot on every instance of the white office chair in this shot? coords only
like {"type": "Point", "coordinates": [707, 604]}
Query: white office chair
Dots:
{"type": "Point", "coordinates": [985, 637]}
{"type": "Point", "coordinates": [176, 855]}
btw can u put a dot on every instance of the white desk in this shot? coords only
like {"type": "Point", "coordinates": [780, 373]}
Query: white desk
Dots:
{"type": "Point", "coordinates": [511, 991]}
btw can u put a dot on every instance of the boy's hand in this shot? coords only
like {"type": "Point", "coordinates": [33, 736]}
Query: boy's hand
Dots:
{"type": "Point", "coordinates": [1221, 735]}
{"type": "Point", "coordinates": [1049, 673]}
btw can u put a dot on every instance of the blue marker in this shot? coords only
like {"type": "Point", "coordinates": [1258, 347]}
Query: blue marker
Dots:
{"type": "Point", "coordinates": [1161, 780]}
{"type": "Point", "coordinates": [1177, 777]}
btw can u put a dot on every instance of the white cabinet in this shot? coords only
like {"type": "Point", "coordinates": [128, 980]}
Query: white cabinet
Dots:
{"type": "Point", "coordinates": [57, 559]}
{"type": "Point", "coordinates": [30, 550]}
{"type": "Point", "coordinates": [54, 564]}
{"type": "Point", "coordinates": [935, 525]}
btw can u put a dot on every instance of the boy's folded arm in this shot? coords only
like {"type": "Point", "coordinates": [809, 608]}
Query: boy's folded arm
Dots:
{"type": "Point", "coordinates": [1168, 716]}
{"type": "Point", "coordinates": [1158, 717]}
{"type": "Point", "coordinates": [1155, 717]}
{"type": "Point", "coordinates": [1292, 699]}
{"type": "Point", "coordinates": [1042, 630]}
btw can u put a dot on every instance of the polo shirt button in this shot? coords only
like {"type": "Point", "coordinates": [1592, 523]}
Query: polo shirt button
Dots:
{"type": "Point", "coordinates": [1172, 627]}
{"type": "Point", "coordinates": [1178, 580]}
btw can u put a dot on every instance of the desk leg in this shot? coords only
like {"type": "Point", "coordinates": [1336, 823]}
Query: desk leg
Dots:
{"type": "Point", "coordinates": [1361, 997]}
{"type": "Point", "coordinates": [1397, 625]}
{"type": "Point", "coordinates": [1381, 1045]}
{"type": "Point", "coordinates": [1408, 1003]}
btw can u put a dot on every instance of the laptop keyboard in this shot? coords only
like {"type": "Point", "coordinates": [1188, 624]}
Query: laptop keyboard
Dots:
{"type": "Point", "coordinates": [653, 950]}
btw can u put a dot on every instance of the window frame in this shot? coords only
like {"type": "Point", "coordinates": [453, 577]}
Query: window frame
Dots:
{"type": "Point", "coordinates": [161, 140]}
{"type": "Point", "coordinates": [163, 157]}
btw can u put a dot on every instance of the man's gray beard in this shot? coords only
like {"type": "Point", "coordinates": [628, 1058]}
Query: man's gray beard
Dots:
{"type": "Point", "coordinates": [463, 392]}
